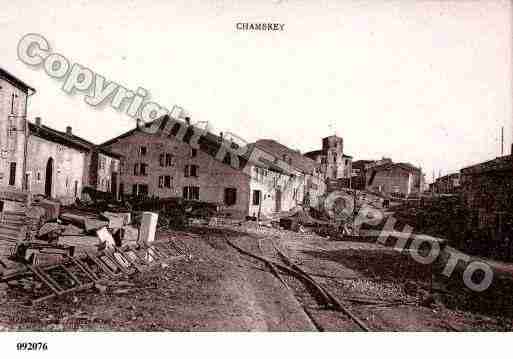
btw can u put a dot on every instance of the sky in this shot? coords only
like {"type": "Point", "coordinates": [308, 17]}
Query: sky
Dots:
{"type": "Point", "coordinates": [425, 82]}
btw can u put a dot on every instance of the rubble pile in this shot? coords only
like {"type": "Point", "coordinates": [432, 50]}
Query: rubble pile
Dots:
{"type": "Point", "coordinates": [63, 250]}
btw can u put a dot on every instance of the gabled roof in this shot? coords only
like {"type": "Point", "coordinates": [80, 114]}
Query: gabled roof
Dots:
{"type": "Point", "coordinates": [63, 138]}
{"type": "Point", "coordinates": [298, 161]}
{"type": "Point", "coordinates": [209, 142]}
{"type": "Point", "coordinates": [15, 81]}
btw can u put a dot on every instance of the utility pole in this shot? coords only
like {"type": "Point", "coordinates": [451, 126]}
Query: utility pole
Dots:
{"type": "Point", "coordinates": [502, 141]}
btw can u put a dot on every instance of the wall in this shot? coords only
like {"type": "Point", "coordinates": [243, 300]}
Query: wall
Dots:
{"type": "Point", "coordinates": [270, 183]}
{"type": "Point", "coordinates": [12, 143]}
{"type": "Point", "coordinates": [68, 167]}
{"type": "Point", "coordinates": [489, 198]}
{"type": "Point", "coordinates": [213, 176]}
{"type": "Point", "coordinates": [392, 180]}
{"type": "Point", "coordinates": [101, 169]}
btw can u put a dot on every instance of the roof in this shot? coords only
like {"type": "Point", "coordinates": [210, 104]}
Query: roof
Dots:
{"type": "Point", "coordinates": [504, 163]}
{"type": "Point", "coordinates": [209, 142]}
{"type": "Point", "coordinates": [14, 80]}
{"type": "Point", "coordinates": [313, 153]}
{"type": "Point", "coordinates": [299, 161]}
{"type": "Point", "coordinates": [67, 140]}
{"type": "Point", "coordinates": [387, 166]}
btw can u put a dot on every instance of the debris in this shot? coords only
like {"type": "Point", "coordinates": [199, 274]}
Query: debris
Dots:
{"type": "Point", "coordinates": [148, 227]}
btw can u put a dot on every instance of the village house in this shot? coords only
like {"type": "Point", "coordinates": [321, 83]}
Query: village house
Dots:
{"type": "Point", "coordinates": [159, 164]}
{"type": "Point", "coordinates": [487, 194]}
{"type": "Point", "coordinates": [394, 179]}
{"type": "Point", "coordinates": [14, 95]}
{"type": "Point", "coordinates": [61, 164]}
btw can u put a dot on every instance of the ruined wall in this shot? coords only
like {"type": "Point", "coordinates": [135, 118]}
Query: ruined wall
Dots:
{"type": "Point", "coordinates": [68, 168]}
{"type": "Point", "coordinates": [12, 132]}
{"type": "Point", "coordinates": [212, 177]}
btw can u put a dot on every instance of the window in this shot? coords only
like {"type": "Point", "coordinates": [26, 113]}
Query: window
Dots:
{"type": "Point", "coordinates": [167, 181]}
{"type": "Point", "coordinates": [161, 181]}
{"type": "Point", "coordinates": [161, 160]}
{"type": "Point", "coordinates": [194, 152]}
{"type": "Point", "coordinates": [11, 132]}
{"type": "Point", "coordinates": [294, 195]}
{"type": "Point", "coordinates": [134, 189]}
{"type": "Point", "coordinates": [191, 192]}
{"type": "Point", "coordinates": [194, 171]}
{"type": "Point", "coordinates": [144, 167]}
{"type": "Point", "coordinates": [191, 171]}
{"type": "Point", "coordinates": [169, 160]}
{"type": "Point", "coordinates": [136, 169]}
{"type": "Point", "coordinates": [142, 151]}
{"type": "Point", "coordinates": [38, 176]}
{"type": "Point", "coordinates": [12, 174]}
{"type": "Point", "coordinates": [75, 189]}
{"type": "Point", "coordinates": [230, 196]}
{"type": "Point", "coordinates": [256, 197]}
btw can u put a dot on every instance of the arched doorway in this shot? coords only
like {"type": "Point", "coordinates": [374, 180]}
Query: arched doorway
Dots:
{"type": "Point", "coordinates": [49, 177]}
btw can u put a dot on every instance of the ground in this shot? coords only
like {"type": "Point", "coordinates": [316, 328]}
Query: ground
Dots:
{"type": "Point", "coordinates": [216, 288]}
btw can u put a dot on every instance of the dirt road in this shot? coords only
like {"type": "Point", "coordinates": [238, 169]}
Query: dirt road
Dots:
{"type": "Point", "coordinates": [219, 289]}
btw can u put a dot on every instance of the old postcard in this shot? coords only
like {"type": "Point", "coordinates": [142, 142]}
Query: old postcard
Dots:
{"type": "Point", "coordinates": [254, 166]}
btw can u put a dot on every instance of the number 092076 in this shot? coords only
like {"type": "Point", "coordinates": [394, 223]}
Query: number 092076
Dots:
{"type": "Point", "coordinates": [31, 346]}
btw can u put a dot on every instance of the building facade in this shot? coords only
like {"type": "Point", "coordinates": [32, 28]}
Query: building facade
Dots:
{"type": "Point", "coordinates": [61, 164]}
{"type": "Point", "coordinates": [395, 179]}
{"type": "Point", "coordinates": [448, 184]}
{"type": "Point", "coordinates": [161, 165]}
{"type": "Point", "coordinates": [14, 95]}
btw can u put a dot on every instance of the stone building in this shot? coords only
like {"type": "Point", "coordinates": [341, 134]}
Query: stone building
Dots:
{"type": "Point", "coordinates": [162, 165]}
{"type": "Point", "coordinates": [305, 180]}
{"type": "Point", "coordinates": [395, 179]}
{"type": "Point", "coordinates": [487, 193]}
{"type": "Point", "coordinates": [334, 164]}
{"type": "Point", "coordinates": [61, 164]}
{"type": "Point", "coordinates": [14, 95]}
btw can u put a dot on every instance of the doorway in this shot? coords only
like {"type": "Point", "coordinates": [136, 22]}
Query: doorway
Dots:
{"type": "Point", "coordinates": [278, 200]}
{"type": "Point", "coordinates": [49, 177]}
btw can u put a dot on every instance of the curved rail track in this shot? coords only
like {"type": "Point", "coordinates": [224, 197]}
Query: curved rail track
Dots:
{"type": "Point", "coordinates": [284, 265]}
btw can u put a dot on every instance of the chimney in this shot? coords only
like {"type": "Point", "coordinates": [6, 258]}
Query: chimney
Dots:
{"type": "Point", "coordinates": [188, 121]}
{"type": "Point", "coordinates": [68, 130]}
{"type": "Point", "coordinates": [38, 121]}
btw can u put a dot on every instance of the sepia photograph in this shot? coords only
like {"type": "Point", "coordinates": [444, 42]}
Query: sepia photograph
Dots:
{"type": "Point", "coordinates": [187, 171]}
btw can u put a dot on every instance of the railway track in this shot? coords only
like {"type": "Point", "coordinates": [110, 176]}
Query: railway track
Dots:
{"type": "Point", "coordinates": [288, 272]}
